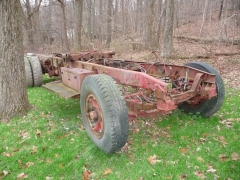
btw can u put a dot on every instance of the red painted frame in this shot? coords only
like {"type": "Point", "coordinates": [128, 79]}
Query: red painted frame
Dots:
{"type": "Point", "coordinates": [158, 88]}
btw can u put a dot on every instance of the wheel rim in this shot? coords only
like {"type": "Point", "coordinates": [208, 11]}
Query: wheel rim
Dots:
{"type": "Point", "coordinates": [94, 116]}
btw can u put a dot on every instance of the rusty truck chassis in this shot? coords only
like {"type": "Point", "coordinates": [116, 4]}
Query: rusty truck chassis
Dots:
{"type": "Point", "coordinates": [149, 88]}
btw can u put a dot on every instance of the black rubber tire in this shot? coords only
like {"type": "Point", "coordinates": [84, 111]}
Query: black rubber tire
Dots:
{"type": "Point", "coordinates": [208, 107]}
{"type": "Point", "coordinates": [114, 111]}
{"type": "Point", "coordinates": [28, 70]}
{"type": "Point", "coordinates": [36, 70]}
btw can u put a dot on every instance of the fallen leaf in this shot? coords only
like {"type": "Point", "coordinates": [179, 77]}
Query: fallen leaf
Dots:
{"type": "Point", "coordinates": [211, 169]}
{"type": "Point", "coordinates": [222, 140]}
{"type": "Point", "coordinates": [223, 157]}
{"type": "Point", "coordinates": [153, 160]}
{"type": "Point", "coordinates": [198, 149]}
{"type": "Point", "coordinates": [15, 150]}
{"type": "Point", "coordinates": [38, 133]}
{"type": "Point", "coordinates": [106, 172]}
{"type": "Point", "coordinates": [34, 150]}
{"type": "Point", "coordinates": [218, 128]}
{"type": "Point", "coordinates": [24, 135]}
{"type": "Point", "coordinates": [5, 172]}
{"type": "Point", "coordinates": [7, 154]}
{"type": "Point", "coordinates": [20, 164]}
{"type": "Point", "coordinates": [86, 174]}
{"type": "Point", "coordinates": [216, 177]}
{"type": "Point", "coordinates": [56, 155]}
{"type": "Point", "coordinates": [28, 164]}
{"type": "Point", "coordinates": [135, 130]}
{"type": "Point", "coordinates": [235, 156]}
{"type": "Point", "coordinates": [61, 166]}
{"type": "Point", "coordinates": [184, 176]}
{"type": "Point", "coordinates": [48, 160]}
{"type": "Point", "coordinates": [126, 147]}
{"type": "Point", "coordinates": [183, 150]}
{"type": "Point", "coordinates": [49, 178]}
{"type": "Point", "coordinates": [22, 176]}
{"type": "Point", "coordinates": [200, 159]}
{"type": "Point", "coordinates": [200, 174]}
{"type": "Point", "coordinates": [202, 140]}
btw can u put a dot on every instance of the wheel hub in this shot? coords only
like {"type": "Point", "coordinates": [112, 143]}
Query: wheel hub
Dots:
{"type": "Point", "coordinates": [94, 116]}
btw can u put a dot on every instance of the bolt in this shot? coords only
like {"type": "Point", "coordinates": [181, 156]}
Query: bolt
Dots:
{"type": "Point", "coordinates": [93, 115]}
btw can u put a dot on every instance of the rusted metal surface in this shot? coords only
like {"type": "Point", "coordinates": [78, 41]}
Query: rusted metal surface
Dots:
{"type": "Point", "coordinates": [73, 77]}
{"type": "Point", "coordinates": [94, 116]}
{"type": "Point", "coordinates": [149, 88]}
{"type": "Point", "coordinates": [63, 91]}
{"type": "Point", "coordinates": [52, 64]}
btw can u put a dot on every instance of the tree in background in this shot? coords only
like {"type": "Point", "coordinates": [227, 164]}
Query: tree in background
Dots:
{"type": "Point", "coordinates": [167, 46]}
{"type": "Point", "coordinates": [66, 47]}
{"type": "Point", "coordinates": [13, 93]}
{"type": "Point", "coordinates": [51, 25]}
{"type": "Point", "coordinates": [109, 23]}
{"type": "Point", "coordinates": [78, 28]}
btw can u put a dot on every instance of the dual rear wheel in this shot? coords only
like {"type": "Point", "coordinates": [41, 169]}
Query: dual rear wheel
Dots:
{"type": "Point", "coordinates": [33, 71]}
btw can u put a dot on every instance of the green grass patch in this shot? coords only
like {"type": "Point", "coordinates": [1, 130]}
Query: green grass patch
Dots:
{"type": "Point", "coordinates": [51, 143]}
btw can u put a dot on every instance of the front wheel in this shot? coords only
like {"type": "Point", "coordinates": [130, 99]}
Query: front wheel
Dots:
{"type": "Point", "coordinates": [206, 108]}
{"type": "Point", "coordinates": [104, 112]}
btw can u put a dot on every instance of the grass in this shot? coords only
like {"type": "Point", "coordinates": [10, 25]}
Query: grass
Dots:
{"type": "Point", "coordinates": [50, 143]}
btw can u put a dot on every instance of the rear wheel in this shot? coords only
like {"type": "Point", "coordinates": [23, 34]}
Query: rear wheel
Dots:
{"type": "Point", "coordinates": [36, 70]}
{"type": "Point", "coordinates": [104, 112]}
{"type": "Point", "coordinates": [206, 107]}
{"type": "Point", "coordinates": [28, 70]}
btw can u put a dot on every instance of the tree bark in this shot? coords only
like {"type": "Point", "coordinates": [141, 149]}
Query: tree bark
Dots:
{"type": "Point", "coordinates": [150, 16]}
{"type": "Point", "coordinates": [13, 93]}
{"type": "Point", "coordinates": [109, 24]}
{"type": "Point", "coordinates": [167, 46]}
{"type": "Point", "coordinates": [221, 9]}
{"type": "Point", "coordinates": [89, 20]}
{"type": "Point", "coordinates": [30, 26]}
{"type": "Point", "coordinates": [64, 27]}
{"type": "Point", "coordinates": [78, 29]}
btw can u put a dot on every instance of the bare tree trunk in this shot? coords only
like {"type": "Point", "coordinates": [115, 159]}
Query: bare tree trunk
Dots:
{"type": "Point", "coordinates": [30, 25]}
{"type": "Point", "coordinates": [13, 93]}
{"type": "Point", "coordinates": [100, 20]}
{"type": "Point", "coordinates": [141, 16]}
{"type": "Point", "coordinates": [161, 12]}
{"type": "Point", "coordinates": [204, 17]}
{"type": "Point", "coordinates": [221, 9]}
{"type": "Point", "coordinates": [123, 16]}
{"type": "Point", "coordinates": [150, 17]}
{"type": "Point", "coordinates": [89, 21]}
{"type": "Point", "coordinates": [115, 35]}
{"type": "Point", "coordinates": [49, 27]}
{"type": "Point", "coordinates": [64, 27]}
{"type": "Point", "coordinates": [78, 28]}
{"type": "Point", "coordinates": [109, 24]}
{"type": "Point", "coordinates": [167, 46]}
{"type": "Point", "coordinates": [37, 36]}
